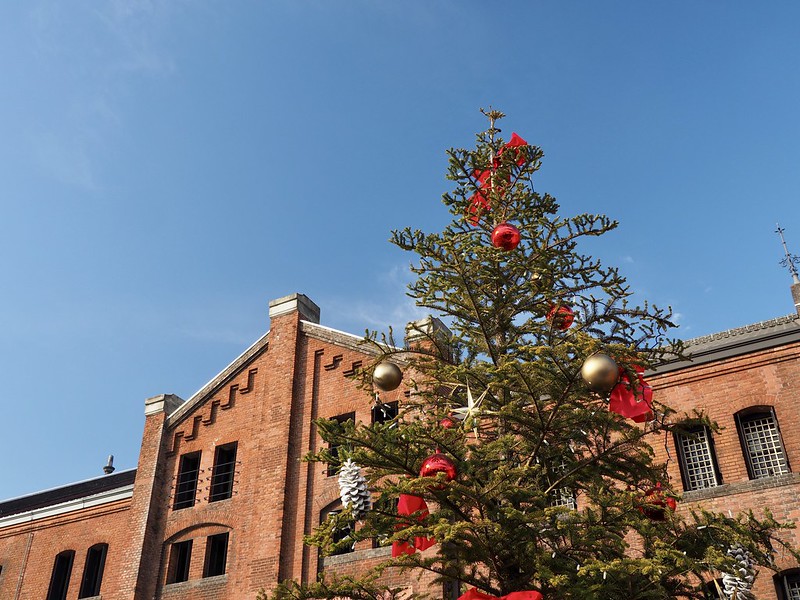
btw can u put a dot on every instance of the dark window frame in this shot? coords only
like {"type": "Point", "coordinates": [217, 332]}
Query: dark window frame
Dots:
{"type": "Point", "coordinates": [61, 574]}
{"type": "Point", "coordinates": [186, 480]}
{"type": "Point", "coordinates": [93, 569]}
{"type": "Point", "coordinates": [782, 581]}
{"type": "Point", "coordinates": [752, 413]}
{"type": "Point", "coordinates": [694, 429]}
{"type": "Point", "coordinates": [216, 560]}
{"type": "Point", "coordinates": [342, 533]}
{"type": "Point", "coordinates": [385, 412]}
{"type": "Point", "coordinates": [566, 495]}
{"type": "Point", "coordinates": [710, 591]}
{"type": "Point", "coordinates": [224, 472]}
{"type": "Point", "coordinates": [180, 562]}
{"type": "Point", "coordinates": [333, 467]}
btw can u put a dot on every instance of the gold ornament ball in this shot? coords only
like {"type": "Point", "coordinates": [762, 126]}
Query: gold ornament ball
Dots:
{"type": "Point", "coordinates": [600, 373]}
{"type": "Point", "coordinates": [387, 377]}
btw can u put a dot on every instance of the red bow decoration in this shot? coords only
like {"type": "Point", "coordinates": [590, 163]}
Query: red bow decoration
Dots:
{"type": "Point", "coordinates": [473, 594]}
{"type": "Point", "coordinates": [624, 399]}
{"type": "Point", "coordinates": [407, 505]}
{"type": "Point", "coordinates": [479, 203]}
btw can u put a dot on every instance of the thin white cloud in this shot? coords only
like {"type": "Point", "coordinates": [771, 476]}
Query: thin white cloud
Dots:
{"type": "Point", "coordinates": [82, 117]}
{"type": "Point", "coordinates": [66, 160]}
{"type": "Point", "coordinates": [389, 306]}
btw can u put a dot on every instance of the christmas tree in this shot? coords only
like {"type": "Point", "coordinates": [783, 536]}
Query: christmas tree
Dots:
{"type": "Point", "coordinates": [521, 462]}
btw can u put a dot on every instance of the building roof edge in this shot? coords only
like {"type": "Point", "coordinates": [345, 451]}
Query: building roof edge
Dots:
{"type": "Point", "coordinates": [67, 492]}
{"type": "Point", "coordinates": [201, 395]}
{"type": "Point", "coordinates": [735, 342]}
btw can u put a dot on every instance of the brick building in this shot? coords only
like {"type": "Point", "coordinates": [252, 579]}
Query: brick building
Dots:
{"type": "Point", "coordinates": [219, 502]}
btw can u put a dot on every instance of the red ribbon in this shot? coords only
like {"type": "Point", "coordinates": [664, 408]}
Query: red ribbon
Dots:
{"type": "Point", "coordinates": [408, 505]}
{"type": "Point", "coordinates": [632, 401]}
{"type": "Point", "coordinates": [473, 594]}
{"type": "Point", "coordinates": [479, 203]}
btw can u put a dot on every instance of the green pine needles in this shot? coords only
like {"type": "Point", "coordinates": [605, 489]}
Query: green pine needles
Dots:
{"type": "Point", "coordinates": [550, 482]}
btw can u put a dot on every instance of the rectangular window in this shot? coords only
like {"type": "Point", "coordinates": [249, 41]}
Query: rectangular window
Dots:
{"type": "Point", "coordinates": [565, 495]}
{"type": "Point", "coordinates": [713, 590]}
{"type": "Point", "coordinates": [180, 557]}
{"type": "Point", "coordinates": [762, 445]}
{"type": "Point", "coordinates": [342, 533]}
{"type": "Point", "coordinates": [793, 588]}
{"type": "Point", "coordinates": [186, 484]}
{"type": "Point", "coordinates": [333, 467]}
{"type": "Point", "coordinates": [384, 412]}
{"type": "Point", "coordinates": [59, 580]}
{"type": "Point", "coordinates": [216, 555]}
{"type": "Point", "coordinates": [93, 571]}
{"type": "Point", "coordinates": [697, 461]}
{"type": "Point", "coordinates": [788, 585]}
{"type": "Point", "coordinates": [224, 470]}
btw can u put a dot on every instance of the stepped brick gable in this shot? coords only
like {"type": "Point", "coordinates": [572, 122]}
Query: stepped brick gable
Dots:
{"type": "Point", "coordinates": [220, 500]}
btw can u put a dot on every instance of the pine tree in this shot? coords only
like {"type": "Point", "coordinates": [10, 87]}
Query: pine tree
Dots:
{"type": "Point", "coordinates": [554, 492]}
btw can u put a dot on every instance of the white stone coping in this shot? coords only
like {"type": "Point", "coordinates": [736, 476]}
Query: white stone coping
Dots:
{"type": "Point", "coordinates": [54, 510]}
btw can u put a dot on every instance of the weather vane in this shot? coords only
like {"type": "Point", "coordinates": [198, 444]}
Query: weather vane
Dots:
{"type": "Point", "coordinates": [791, 260]}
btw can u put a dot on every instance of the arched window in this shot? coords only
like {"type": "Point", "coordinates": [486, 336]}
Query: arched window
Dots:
{"type": "Point", "coordinates": [698, 461]}
{"type": "Point", "coordinates": [787, 584]}
{"type": "Point", "coordinates": [761, 442]}
{"type": "Point", "coordinates": [343, 530]}
{"type": "Point", "coordinates": [59, 580]}
{"type": "Point", "coordinates": [93, 571]}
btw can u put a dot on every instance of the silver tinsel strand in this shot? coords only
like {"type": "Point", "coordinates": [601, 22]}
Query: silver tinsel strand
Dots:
{"type": "Point", "coordinates": [737, 585]}
{"type": "Point", "coordinates": [353, 489]}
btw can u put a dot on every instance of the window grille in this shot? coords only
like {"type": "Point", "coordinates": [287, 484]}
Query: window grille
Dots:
{"type": "Point", "coordinates": [787, 584]}
{"type": "Point", "coordinates": [697, 461]}
{"type": "Point", "coordinates": [565, 495]}
{"type": "Point", "coordinates": [186, 484]}
{"type": "Point", "coordinates": [792, 588]}
{"type": "Point", "coordinates": [223, 473]}
{"type": "Point", "coordinates": [761, 441]}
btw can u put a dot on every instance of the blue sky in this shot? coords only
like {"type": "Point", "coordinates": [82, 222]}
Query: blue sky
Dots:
{"type": "Point", "coordinates": [168, 167]}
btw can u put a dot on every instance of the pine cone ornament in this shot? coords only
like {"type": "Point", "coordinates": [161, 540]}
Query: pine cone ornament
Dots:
{"type": "Point", "coordinates": [737, 585]}
{"type": "Point", "coordinates": [353, 489]}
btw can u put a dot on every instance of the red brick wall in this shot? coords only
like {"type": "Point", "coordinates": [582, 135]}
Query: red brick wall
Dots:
{"type": "Point", "coordinates": [31, 548]}
{"type": "Point", "coordinates": [267, 405]}
{"type": "Point", "coordinates": [277, 498]}
{"type": "Point", "coordinates": [766, 378]}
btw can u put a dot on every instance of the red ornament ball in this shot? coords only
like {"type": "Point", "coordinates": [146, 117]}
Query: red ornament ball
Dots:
{"type": "Point", "coordinates": [447, 423]}
{"type": "Point", "coordinates": [438, 463]}
{"type": "Point", "coordinates": [505, 236]}
{"type": "Point", "coordinates": [561, 316]}
{"type": "Point", "coordinates": [656, 504]}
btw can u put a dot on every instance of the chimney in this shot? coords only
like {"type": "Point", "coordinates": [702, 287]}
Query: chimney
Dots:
{"type": "Point", "coordinates": [796, 294]}
{"type": "Point", "coordinates": [295, 303]}
{"type": "Point", "coordinates": [429, 333]}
